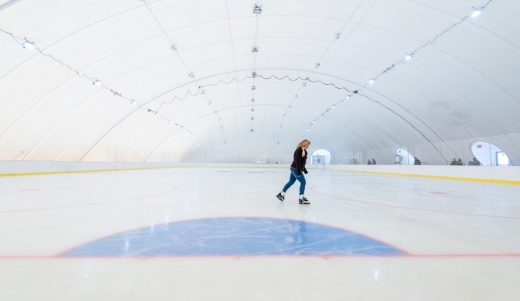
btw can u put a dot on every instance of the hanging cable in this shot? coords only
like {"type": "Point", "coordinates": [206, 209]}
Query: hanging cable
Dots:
{"type": "Point", "coordinates": [191, 74]}
{"type": "Point", "coordinates": [257, 11]}
{"type": "Point", "coordinates": [95, 81]}
{"type": "Point", "coordinates": [406, 58]}
{"type": "Point", "coordinates": [220, 82]}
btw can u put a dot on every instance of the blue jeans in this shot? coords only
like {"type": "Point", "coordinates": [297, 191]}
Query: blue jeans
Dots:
{"type": "Point", "coordinates": [293, 178]}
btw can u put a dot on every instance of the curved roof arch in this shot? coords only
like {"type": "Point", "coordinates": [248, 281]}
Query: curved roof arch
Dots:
{"type": "Point", "coordinates": [176, 77]}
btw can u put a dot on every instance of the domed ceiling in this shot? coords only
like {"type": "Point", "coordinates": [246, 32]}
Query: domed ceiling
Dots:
{"type": "Point", "coordinates": [241, 81]}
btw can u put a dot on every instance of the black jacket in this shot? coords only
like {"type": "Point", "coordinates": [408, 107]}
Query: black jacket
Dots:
{"type": "Point", "coordinates": [299, 161]}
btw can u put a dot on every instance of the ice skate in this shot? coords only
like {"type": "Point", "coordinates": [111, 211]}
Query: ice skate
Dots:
{"type": "Point", "coordinates": [304, 200]}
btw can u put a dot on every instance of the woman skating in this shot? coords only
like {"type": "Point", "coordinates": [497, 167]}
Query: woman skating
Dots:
{"type": "Point", "coordinates": [297, 170]}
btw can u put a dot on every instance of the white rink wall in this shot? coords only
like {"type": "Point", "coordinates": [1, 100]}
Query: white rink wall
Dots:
{"type": "Point", "coordinates": [501, 173]}
{"type": "Point", "coordinates": [30, 167]}
{"type": "Point", "coordinates": [498, 173]}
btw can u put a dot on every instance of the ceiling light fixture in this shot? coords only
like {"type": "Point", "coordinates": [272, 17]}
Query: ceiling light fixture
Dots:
{"type": "Point", "coordinates": [476, 12]}
{"type": "Point", "coordinates": [28, 44]}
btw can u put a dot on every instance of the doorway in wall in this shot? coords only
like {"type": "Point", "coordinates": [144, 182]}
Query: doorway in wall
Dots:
{"type": "Point", "coordinates": [489, 154]}
{"type": "Point", "coordinates": [402, 157]}
{"type": "Point", "coordinates": [320, 158]}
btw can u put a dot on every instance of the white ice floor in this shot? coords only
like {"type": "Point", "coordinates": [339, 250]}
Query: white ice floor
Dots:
{"type": "Point", "coordinates": [163, 234]}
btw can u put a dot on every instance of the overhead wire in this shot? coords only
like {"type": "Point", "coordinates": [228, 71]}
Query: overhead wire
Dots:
{"type": "Point", "coordinates": [95, 81]}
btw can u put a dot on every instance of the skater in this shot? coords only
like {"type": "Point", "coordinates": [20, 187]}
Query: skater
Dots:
{"type": "Point", "coordinates": [297, 170]}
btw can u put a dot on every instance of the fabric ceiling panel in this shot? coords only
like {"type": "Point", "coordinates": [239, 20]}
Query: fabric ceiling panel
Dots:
{"type": "Point", "coordinates": [173, 80]}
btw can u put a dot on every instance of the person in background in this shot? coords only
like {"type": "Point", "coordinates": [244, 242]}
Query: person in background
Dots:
{"type": "Point", "coordinates": [373, 161]}
{"type": "Point", "coordinates": [475, 162]}
{"type": "Point", "coordinates": [460, 162]}
{"type": "Point", "coordinates": [297, 170]}
{"type": "Point", "coordinates": [416, 161]}
{"type": "Point", "coordinates": [454, 162]}
{"type": "Point", "coordinates": [369, 162]}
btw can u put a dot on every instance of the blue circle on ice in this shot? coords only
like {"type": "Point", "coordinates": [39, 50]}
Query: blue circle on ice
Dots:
{"type": "Point", "coordinates": [235, 236]}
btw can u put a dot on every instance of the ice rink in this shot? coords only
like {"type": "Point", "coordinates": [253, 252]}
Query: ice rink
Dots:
{"type": "Point", "coordinates": [219, 233]}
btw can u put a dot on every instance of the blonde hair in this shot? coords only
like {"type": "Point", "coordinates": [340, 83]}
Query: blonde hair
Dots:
{"type": "Point", "coordinates": [304, 141]}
